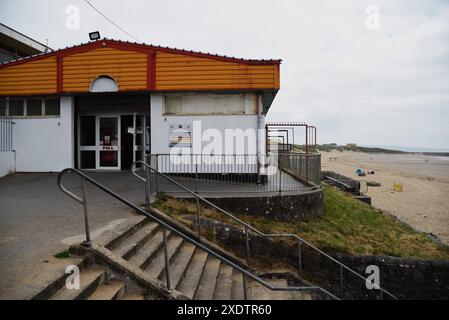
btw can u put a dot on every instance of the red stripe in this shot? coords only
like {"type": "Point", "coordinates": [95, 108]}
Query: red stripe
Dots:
{"type": "Point", "coordinates": [137, 48]}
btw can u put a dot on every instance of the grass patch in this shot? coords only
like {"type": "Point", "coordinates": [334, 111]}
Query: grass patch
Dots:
{"type": "Point", "coordinates": [62, 255]}
{"type": "Point", "coordinates": [347, 226]}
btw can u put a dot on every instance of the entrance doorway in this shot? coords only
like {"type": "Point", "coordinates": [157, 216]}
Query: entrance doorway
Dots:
{"type": "Point", "coordinates": [111, 142]}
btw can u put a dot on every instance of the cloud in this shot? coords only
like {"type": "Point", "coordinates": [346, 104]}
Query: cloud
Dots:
{"type": "Point", "coordinates": [387, 86]}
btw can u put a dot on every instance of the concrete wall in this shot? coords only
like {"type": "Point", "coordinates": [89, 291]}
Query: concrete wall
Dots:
{"type": "Point", "coordinates": [7, 163]}
{"type": "Point", "coordinates": [45, 144]}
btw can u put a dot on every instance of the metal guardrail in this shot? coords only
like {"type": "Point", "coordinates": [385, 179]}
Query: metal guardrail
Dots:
{"type": "Point", "coordinates": [151, 172]}
{"type": "Point", "coordinates": [246, 274]}
{"type": "Point", "coordinates": [246, 173]}
{"type": "Point", "coordinates": [306, 167]}
{"type": "Point", "coordinates": [6, 133]}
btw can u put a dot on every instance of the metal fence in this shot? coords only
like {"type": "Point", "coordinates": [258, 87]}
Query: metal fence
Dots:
{"type": "Point", "coordinates": [230, 174]}
{"type": "Point", "coordinates": [6, 133]}
{"type": "Point", "coordinates": [306, 167]}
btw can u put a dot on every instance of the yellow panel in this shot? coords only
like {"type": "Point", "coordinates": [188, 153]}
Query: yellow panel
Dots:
{"type": "Point", "coordinates": [34, 77]}
{"type": "Point", "coordinates": [128, 68]}
{"type": "Point", "coordinates": [184, 72]}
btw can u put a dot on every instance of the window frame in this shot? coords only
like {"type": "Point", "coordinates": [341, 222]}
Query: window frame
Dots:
{"type": "Point", "coordinates": [44, 106]}
{"type": "Point", "coordinates": [25, 100]}
{"type": "Point", "coordinates": [34, 115]}
{"type": "Point", "coordinates": [6, 107]}
{"type": "Point", "coordinates": [23, 107]}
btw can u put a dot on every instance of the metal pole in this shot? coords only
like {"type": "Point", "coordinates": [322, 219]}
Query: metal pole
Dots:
{"type": "Point", "coordinates": [299, 261]}
{"type": "Point", "coordinates": [245, 287]}
{"type": "Point", "coordinates": [87, 242]}
{"type": "Point", "coordinates": [167, 263]}
{"type": "Point", "coordinates": [198, 212]}
{"type": "Point", "coordinates": [280, 175]}
{"type": "Point", "coordinates": [247, 244]}
{"type": "Point", "coordinates": [147, 189]}
{"type": "Point", "coordinates": [341, 281]}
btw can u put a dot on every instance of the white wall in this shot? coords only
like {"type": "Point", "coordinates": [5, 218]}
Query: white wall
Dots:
{"type": "Point", "coordinates": [7, 163]}
{"type": "Point", "coordinates": [160, 131]}
{"type": "Point", "coordinates": [160, 125]}
{"type": "Point", "coordinates": [45, 144]}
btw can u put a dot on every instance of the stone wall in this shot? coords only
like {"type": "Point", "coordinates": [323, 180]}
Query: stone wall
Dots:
{"type": "Point", "coordinates": [404, 278]}
{"type": "Point", "coordinates": [295, 207]}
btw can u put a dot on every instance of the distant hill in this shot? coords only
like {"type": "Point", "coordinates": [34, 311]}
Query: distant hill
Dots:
{"type": "Point", "coordinates": [352, 147]}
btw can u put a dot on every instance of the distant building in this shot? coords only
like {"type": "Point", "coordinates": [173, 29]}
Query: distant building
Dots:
{"type": "Point", "coordinates": [351, 145]}
{"type": "Point", "coordinates": [14, 45]}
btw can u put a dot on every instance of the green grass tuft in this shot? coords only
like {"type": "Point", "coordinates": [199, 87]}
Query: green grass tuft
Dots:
{"type": "Point", "coordinates": [62, 255]}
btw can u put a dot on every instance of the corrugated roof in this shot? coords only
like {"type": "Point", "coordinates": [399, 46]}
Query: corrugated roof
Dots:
{"type": "Point", "coordinates": [147, 46]}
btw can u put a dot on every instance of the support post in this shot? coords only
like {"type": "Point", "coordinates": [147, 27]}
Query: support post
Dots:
{"type": "Point", "coordinates": [88, 241]}
{"type": "Point", "coordinates": [167, 263]}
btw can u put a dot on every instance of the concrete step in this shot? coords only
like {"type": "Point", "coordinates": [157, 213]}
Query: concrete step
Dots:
{"type": "Point", "coordinates": [237, 285]}
{"type": "Point", "coordinates": [194, 271]}
{"type": "Point", "coordinates": [206, 286]}
{"type": "Point", "coordinates": [133, 243]}
{"type": "Point", "coordinates": [90, 279]}
{"type": "Point", "coordinates": [131, 296]}
{"type": "Point", "coordinates": [53, 276]}
{"type": "Point", "coordinates": [109, 290]}
{"type": "Point", "coordinates": [223, 288]}
{"type": "Point", "coordinates": [259, 292]}
{"type": "Point", "coordinates": [113, 237]}
{"type": "Point", "coordinates": [179, 264]}
{"type": "Point", "coordinates": [143, 257]}
{"type": "Point", "coordinates": [157, 265]}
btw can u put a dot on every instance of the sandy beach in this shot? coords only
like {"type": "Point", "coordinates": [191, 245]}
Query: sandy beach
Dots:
{"type": "Point", "coordinates": [424, 201]}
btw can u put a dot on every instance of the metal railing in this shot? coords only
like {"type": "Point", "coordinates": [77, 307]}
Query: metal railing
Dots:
{"type": "Point", "coordinates": [151, 172]}
{"type": "Point", "coordinates": [6, 133]}
{"type": "Point", "coordinates": [242, 174]}
{"type": "Point", "coordinates": [165, 226]}
{"type": "Point", "coordinates": [306, 167]}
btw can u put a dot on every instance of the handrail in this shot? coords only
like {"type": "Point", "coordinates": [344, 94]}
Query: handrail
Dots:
{"type": "Point", "coordinates": [165, 225]}
{"type": "Point", "coordinates": [248, 226]}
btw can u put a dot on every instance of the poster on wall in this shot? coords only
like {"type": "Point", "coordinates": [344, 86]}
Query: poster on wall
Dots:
{"type": "Point", "coordinates": [180, 136]}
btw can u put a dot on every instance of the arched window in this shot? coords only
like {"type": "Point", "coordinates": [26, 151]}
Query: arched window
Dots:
{"type": "Point", "coordinates": [104, 84]}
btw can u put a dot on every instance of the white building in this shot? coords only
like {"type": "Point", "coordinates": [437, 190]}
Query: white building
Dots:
{"type": "Point", "coordinates": [104, 104]}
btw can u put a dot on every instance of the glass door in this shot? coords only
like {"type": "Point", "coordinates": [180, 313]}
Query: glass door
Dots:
{"type": "Point", "coordinates": [87, 142]}
{"type": "Point", "coordinates": [108, 142]}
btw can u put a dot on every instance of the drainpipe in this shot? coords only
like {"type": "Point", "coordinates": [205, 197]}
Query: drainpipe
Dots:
{"type": "Point", "coordinates": [258, 136]}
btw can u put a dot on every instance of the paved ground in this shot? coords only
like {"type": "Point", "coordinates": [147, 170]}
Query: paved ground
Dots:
{"type": "Point", "coordinates": [37, 220]}
{"type": "Point", "coordinates": [231, 186]}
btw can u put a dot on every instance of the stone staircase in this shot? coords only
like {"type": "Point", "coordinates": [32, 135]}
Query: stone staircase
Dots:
{"type": "Point", "coordinates": [193, 272]}
{"type": "Point", "coordinates": [95, 285]}
{"type": "Point", "coordinates": [128, 262]}
{"type": "Point", "coordinates": [97, 282]}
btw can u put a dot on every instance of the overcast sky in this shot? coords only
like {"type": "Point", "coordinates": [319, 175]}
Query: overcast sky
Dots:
{"type": "Point", "coordinates": [356, 82]}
